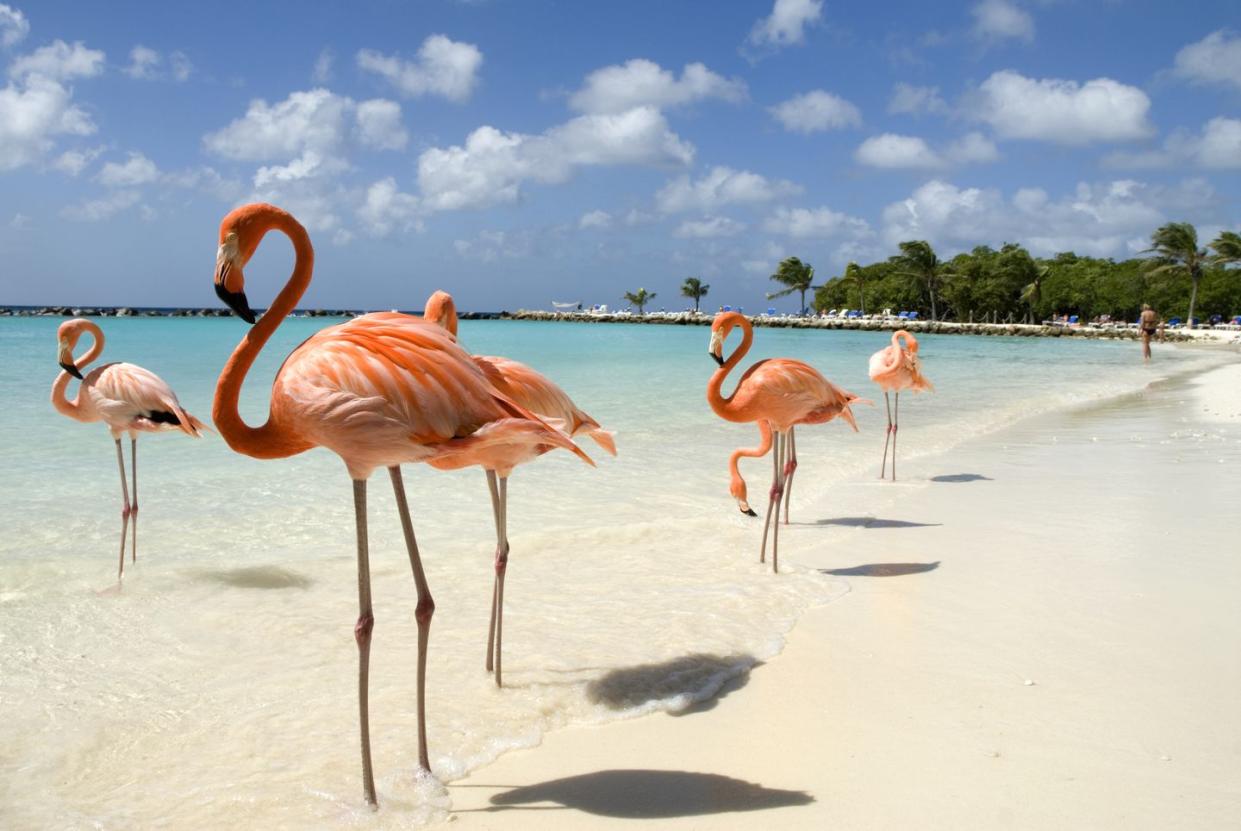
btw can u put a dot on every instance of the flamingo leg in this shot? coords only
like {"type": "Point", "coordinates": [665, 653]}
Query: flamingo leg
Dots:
{"type": "Point", "coordinates": [896, 425]}
{"type": "Point", "coordinates": [362, 634]}
{"type": "Point", "coordinates": [771, 495]}
{"type": "Point", "coordinates": [501, 567]}
{"type": "Point", "coordinates": [781, 452]}
{"type": "Point", "coordinates": [125, 509]}
{"type": "Point", "coordinates": [495, 585]}
{"type": "Point", "coordinates": [883, 467]}
{"type": "Point", "coordinates": [790, 467]}
{"type": "Point", "coordinates": [422, 613]}
{"type": "Point", "coordinates": [133, 509]}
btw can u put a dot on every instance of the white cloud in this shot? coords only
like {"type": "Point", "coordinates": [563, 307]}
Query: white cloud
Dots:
{"type": "Point", "coordinates": [13, 26]}
{"type": "Point", "coordinates": [32, 112]}
{"type": "Point", "coordinates": [443, 67]}
{"type": "Point", "coordinates": [385, 208]}
{"type": "Point", "coordinates": [306, 166]}
{"type": "Point", "coordinates": [379, 125]}
{"type": "Point", "coordinates": [490, 246]}
{"type": "Point", "coordinates": [96, 210]}
{"type": "Point", "coordinates": [143, 63]}
{"type": "Point", "coordinates": [721, 186]}
{"type": "Point", "coordinates": [323, 66]}
{"type": "Point", "coordinates": [890, 150]}
{"type": "Point", "coordinates": [491, 166]}
{"type": "Point", "coordinates": [786, 25]}
{"type": "Point", "coordinates": [1060, 111]}
{"type": "Point", "coordinates": [179, 65]}
{"type": "Point", "coordinates": [59, 62]}
{"type": "Point", "coordinates": [312, 120]}
{"type": "Point", "coordinates": [915, 100]}
{"type": "Point", "coordinates": [996, 20]}
{"type": "Point", "coordinates": [595, 219]}
{"type": "Point", "coordinates": [1214, 59]}
{"type": "Point", "coordinates": [74, 162]}
{"type": "Point", "coordinates": [136, 170]}
{"type": "Point", "coordinates": [709, 227]}
{"type": "Point", "coordinates": [1217, 147]}
{"type": "Point", "coordinates": [1095, 219]}
{"type": "Point", "coordinates": [816, 110]}
{"type": "Point", "coordinates": [972, 148]}
{"type": "Point", "coordinates": [642, 83]}
{"type": "Point", "coordinates": [806, 223]}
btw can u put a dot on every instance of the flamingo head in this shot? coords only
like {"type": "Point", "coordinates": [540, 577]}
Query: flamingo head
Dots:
{"type": "Point", "coordinates": [67, 338]}
{"type": "Point", "coordinates": [720, 329]}
{"type": "Point", "coordinates": [442, 310]}
{"type": "Point", "coordinates": [236, 248]}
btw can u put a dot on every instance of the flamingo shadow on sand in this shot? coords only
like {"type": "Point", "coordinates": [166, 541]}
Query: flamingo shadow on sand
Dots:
{"type": "Point", "coordinates": [874, 522]}
{"type": "Point", "coordinates": [256, 577]}
{"type": "Point", "coordinates": [700, 678]}
{"type": "Point", "coordinates": [961, 477]}
{"type": "Point", "coordinates": [882, 569]}
{"type": "Point", "coordinates": [648, 794]}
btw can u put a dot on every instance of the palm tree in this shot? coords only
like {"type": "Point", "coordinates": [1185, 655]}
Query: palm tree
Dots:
{"type": "Point", "coordinates": [1227, 247]}
{"type": "Point", "coordinates": [1032, 294]}
{"type": "Point", "coordinates": [917, 260]}
{"type": "Point", "coordinates": [855, 276]}
{"type": "Point", "coordinates": [795, 274]}
{"type": "Point", "coordinates": [640, 298]}
{"type": "Point", "coordinates": [695, 288]}
{"type": "Point", "coordinates": [1176, 251]}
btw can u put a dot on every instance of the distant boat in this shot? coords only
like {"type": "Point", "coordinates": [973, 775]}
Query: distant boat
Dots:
{"type": "Point", "coordinates": [575, 304]}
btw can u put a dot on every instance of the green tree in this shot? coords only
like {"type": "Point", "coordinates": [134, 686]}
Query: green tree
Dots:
{"type": "Point", "coordinates": [640, 298]}
{"type": "Point", "coordinates": [1227, 248]}
{"type": "Point", "coordinates": [1177, 254]}
{"type": "Point", "coordinates": [797, 276]}
{"type": "Point", "coordinates": [695, 289]}
{"type": "Point", "coordinates": [856, 278]}
{"type": "Point", "coordinates": [917, 261]}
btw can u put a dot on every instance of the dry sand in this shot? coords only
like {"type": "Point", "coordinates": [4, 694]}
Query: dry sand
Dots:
{"type": "Point", "coordinates": [1043, 632]}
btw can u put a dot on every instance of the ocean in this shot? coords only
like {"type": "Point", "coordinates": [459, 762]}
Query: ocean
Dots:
{"type": "Point", "coordinates": [217, 686]}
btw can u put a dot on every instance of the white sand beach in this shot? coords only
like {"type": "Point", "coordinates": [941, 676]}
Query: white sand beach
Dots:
{"type": "Point", "coordinates": [1041, 632]}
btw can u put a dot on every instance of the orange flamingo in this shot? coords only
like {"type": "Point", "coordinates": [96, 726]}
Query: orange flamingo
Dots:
{"type": "Point", "coordinates": [780, 391]}
{"type": "Point", "coordinates": [895, 368]}
{"type": "Point", "coordinates": [128, 398]}
{"type": "Point", "coordinates": [378, 391]}
{"type": "Point", "coordinates": [539, 394]}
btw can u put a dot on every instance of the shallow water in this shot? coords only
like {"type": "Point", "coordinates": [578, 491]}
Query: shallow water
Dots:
{"type": "Point", "coordinates": [219, 685]}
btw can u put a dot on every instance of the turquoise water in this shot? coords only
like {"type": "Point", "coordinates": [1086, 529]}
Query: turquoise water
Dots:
{"type": "Point", "coordinates": [217, 686]}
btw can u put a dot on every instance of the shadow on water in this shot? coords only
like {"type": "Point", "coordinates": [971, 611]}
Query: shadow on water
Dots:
{"type": "Point", "coordinates": [874, 522]}
{"type": "Point", "coordinates": [882, 569]}
{"type": "Point", "coordinates": [257, 577]}
{"type": "Point", "coordinates": [702, 679]}
{"type": "Point", "coordinates": [961, 477]}
{"type": "Point", "coordinates": [648, 794]}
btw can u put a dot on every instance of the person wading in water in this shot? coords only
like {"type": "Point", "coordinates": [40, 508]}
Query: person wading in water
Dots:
{"type": "Point", "coordinates": [1150, 325]}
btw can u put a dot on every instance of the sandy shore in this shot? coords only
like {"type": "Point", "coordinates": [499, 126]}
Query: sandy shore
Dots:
{"type": "Point", "coordinates": [1042, 632]}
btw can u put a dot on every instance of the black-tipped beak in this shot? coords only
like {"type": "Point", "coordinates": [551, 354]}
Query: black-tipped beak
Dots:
{"type": "Point", "coordinates": [71, 369]}
{"type": "Point", "coordinates": [235, 300]}
{"type": "Point", "coordinates": [749, 512]}
{"type": "Point", "coordinates": [716, 358]}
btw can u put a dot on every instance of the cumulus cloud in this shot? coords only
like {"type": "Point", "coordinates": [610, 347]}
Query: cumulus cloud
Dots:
{"type": "Point", "coordinates": [73, 162]}
{"type": "Point", "coordinates": [721, 186]}
{"type": "Point", "coordinates": [491, 166]}
{"type": "Point", "coordinates": [1096, 219]}
{"type": "Point", "coordinates": [787, 23]}
{"type": "Point", "coordinates": [1216, 147]}
{"type": "Point", "coordinates": [996, 20]}
{"type": "Point", "coordinates": [1216, 59]}
{"type": "Point", "coordinates": [823, 222]}
{"type": "Point", "coordinates": [13, 26]}
{"type": "Point", "coordinates": [33, 112]}
{"type": "Point", "coordinates": [815, 111]}
{"type": "Point", "coordinates": [893, 151]}
{"type": "Point", "coordinates": [385, 208]}
{"type": "Point", "coordinates": [136, 170]}
{"type": "Point", "coordinates": [643, 83]}
{"type": "Point", "coordinates": [595, 219]}
{"type": "Point", "coordinates": [443, 67]}
{"type": "Point", "coordinates": [379, 125]}
{"type": "Point", "coordinates": [1061, 111]}
{"type": "Point", "coordinates": [915, 100]}
{"type": "Point", "coordinates": [709, 227]}
{"type": "Point", "coordinates": [146, 64]}
{"type": "Point", "coordinates": [58, 62]}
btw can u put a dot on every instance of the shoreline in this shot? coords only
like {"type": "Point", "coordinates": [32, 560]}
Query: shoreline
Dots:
{"type": "Point", "coordinates": [892, 705]}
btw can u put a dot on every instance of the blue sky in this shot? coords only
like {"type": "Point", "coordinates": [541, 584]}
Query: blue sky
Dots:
{"type": "Point", "coordinates": [516, 152]}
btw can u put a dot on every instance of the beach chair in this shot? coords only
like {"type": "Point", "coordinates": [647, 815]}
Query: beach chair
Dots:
{"type": "Point", "coordinates": [771, 311]}
{"type": "Point", "coordinates": [1072, 320]}
{"type": "Point", "coordinates": [912, 316]}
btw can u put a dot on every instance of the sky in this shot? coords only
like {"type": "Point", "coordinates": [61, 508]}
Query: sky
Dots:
{"type": "Point", "coordinates": [518, 152]}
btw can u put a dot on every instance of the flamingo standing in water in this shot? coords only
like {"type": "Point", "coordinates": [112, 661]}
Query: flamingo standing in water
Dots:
{"type": "Point", "coordinates": [779, 391]}
{"type": "Point", "coordinates": [537, 393]}
{"type": "Point", "coordinates": [378, 391]}
{"type": "Point", "coordinates": [128, 398]}
{"type": "Point", "coordinates": [895, 368]}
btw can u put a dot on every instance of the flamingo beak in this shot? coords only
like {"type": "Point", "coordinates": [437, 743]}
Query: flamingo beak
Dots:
{"type": "Point", "coordinates": [716, 349]}
{"type": "Point", "coordinates": [235, 300]}
{"type": "Point", "coordinates": [68, 367]}
{"type": "Point", "coordinates": [749, 512]}
{"type": "Point", "coordinates": [65, 359]}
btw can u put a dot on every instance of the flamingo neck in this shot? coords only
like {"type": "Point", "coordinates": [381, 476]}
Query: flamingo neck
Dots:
{"type": "Point", "coordinates": [64, 406]}
{"type": "Point", "coordinates": [271, 440]}
{"type": "Point", "coordinates": [721, 405]}
{"type": "Point", "coordinates": [737, 484]}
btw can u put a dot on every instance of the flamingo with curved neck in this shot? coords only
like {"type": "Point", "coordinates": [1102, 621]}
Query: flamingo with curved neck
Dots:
{"type": "Point", "coordinates": [894, 368]}
{"type": "Point", "coordinates": [126, 397]}
{"type": "Point", "coordinates": [782, 392]}
{"type": "Point", "coordinates": [379, 390]}
{"type": "Point", "coordinates": [736, 484]}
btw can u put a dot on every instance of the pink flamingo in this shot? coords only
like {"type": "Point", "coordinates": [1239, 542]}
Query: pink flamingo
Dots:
{"type": "Point", "coordinates": [128, 398]}
{"type": "Point", "coordinates": [780, 391]}
{"type": "Point", "coordinates": [539, 394]}
{"type": "Point", "coordinates": [379, 390]}
{"type": "Point", "coordinates": [895, 368]}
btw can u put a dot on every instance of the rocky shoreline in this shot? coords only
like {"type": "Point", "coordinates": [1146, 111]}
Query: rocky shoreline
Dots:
{"type": "Point", "coordinates": [138, 311]}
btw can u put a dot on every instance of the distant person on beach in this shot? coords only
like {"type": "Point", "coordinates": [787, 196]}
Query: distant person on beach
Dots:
{"type": "Point", "coordinates": [1150, 325]}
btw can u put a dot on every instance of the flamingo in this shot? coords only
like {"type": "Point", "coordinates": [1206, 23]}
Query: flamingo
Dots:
{"type": "Point", "coordinates": [895, 368]}
{"type": "Point", "coordinates": [780, 391]}
{"type": "Point", "coordinates": [126, 397]}
{"type": "Point", "coordinates": [379, 390]}
{"type": "Point", "coordinates": [535, 392]}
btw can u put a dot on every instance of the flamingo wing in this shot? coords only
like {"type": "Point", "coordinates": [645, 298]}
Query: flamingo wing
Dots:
{"type": "Point", "coordinates": [128, 396]}
{"type": "Point", "coordinates": [792, 392]}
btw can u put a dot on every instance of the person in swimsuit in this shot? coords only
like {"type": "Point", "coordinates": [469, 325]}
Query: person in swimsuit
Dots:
{"type": "Point", "coordinates": [1150, 324]}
